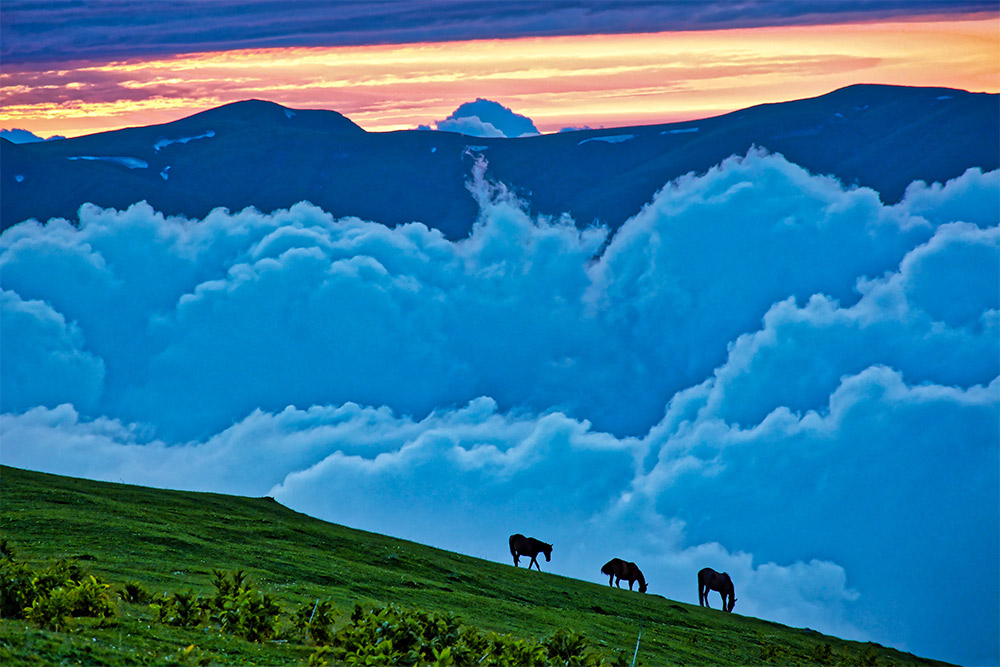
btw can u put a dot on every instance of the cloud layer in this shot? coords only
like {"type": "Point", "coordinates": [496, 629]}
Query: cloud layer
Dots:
{"type": "Point", "coordinates": [762, 372]}
{"type": "Point", "coordinates": [33, 31]}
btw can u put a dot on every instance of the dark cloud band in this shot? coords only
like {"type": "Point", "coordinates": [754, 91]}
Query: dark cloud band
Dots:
{"type": "Point", "coordinates": [51, 32]}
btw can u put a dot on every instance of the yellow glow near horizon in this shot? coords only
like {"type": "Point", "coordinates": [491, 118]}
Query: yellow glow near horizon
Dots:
{"type": "Point", "coordinates": [597, 80]}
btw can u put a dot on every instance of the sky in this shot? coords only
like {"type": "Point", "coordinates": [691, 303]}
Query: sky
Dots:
{"type": "Point", "coordinates": [78, 68]}
{"type": "Point", "coordinates": [764, 370]}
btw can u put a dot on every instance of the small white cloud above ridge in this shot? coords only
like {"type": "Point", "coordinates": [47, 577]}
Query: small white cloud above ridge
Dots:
{"type": "Point", "coordinates": [486, 118]}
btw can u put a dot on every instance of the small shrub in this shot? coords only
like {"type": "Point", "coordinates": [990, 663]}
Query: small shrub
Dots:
{"type": "Point", "coordinates": [243, 611]}
{"type": "Point", "coordinates": [17, 590]}
{"type": "Point", "coordinates": [569, 648]}
{"type": "Point", "coordinates": [91, 598]}
{"type": "Point", "coordinates": [134, 592]}
{"type": "Point", "coordinates": [59, 573]}
{"type": "Point", "coordinates": [185, 610]}
{"type": "Point", "coordinates": [227, 584]}
{"type": "Point", "coordinates": [314, 621]}
{"type": "Point", "coordinates": [51, 611]}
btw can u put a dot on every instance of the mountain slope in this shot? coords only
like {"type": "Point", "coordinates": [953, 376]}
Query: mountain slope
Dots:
{"type": "Point", "coordinates": [171, 540]}
{"type": "Point", "coordinates": [260, 154]}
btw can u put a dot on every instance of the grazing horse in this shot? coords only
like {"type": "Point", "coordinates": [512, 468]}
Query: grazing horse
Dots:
{"type": "Point", "coordinates": [528, 546]}
{"type": "Point", "coordinates": [710, 580]}
{"type": "Point", "coordinates": [618, 569]}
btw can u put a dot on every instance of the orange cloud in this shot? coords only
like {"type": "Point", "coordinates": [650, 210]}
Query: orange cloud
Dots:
{"type": "Point", "coordinates": [596, 80]}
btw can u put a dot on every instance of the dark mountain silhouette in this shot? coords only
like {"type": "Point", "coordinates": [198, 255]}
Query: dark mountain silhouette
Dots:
{"type": "Point", "coordinates": [261, 154]}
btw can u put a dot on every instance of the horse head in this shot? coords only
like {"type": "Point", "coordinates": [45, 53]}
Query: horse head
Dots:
{"type": "Point", "coordinates": [547, 550]}
{"type": "Point", "coordinates": [643, 586]}
{"type": "Point", "coordinates": [732, 603]}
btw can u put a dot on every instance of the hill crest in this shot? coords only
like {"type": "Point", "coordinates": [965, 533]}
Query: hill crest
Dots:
{"type": "Point", "coordinates": [260, 154]}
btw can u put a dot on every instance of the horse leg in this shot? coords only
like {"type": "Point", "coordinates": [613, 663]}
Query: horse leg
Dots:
{"type": "Point", "coordinates": [611, 579]}
{"type": "Point", "coordinates": [516, 560]}
{"type": "Point", "coordinates": [630, 582]}
{"type": "Point", "coordinates": [533, 560]}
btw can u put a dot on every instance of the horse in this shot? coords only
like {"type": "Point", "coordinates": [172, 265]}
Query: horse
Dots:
{"type": "Point", "coordinates": [528, 546]}
{"type": "Point", "coordinates": [710, 580]}
{"type": "Point", "coordinates": [618, 569]}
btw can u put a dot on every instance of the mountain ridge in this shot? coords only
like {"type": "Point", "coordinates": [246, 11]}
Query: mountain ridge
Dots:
{"type": "Point", "coordinates": [261, 154]}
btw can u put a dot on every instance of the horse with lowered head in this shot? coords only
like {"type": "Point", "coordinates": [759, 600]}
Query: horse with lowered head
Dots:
{"type": "Point", "coordinates": [618, 569]}
{"type": "Point", "coordinates": [528, 546]}
{"type": "Point", "coordinates": [710, 580]}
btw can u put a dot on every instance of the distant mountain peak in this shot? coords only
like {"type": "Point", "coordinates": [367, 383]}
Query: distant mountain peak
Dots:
{"type": "Point", "coordinates": [264, 113]}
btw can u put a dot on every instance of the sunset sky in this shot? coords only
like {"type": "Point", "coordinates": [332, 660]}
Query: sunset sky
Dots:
{"type": "Point", "coordinates": [395, 65]}
{"type": "Point", "coordinates": [768, 367]}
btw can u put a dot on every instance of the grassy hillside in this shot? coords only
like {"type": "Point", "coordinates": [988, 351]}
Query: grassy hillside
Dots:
{"type": "Point", "coordinates": [170, 541]}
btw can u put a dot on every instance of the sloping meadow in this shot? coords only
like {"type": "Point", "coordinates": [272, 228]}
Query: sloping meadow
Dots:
{"type": "Point", "coordinates": [309, 592]}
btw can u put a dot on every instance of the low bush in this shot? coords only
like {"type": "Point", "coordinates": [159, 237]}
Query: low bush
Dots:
{"type": "Point", "coordinates": [393, 636]}
{"type": "Point", "coordinates": [242, 610]}
{"type": "Point", "coordinates": [134, 592]}
{"type": "Point", "coordinates": [186, 609]}
{"type": "Point", "coordinates": [314, 621]}
{"type": "Point", "coordinates": [49, 597]}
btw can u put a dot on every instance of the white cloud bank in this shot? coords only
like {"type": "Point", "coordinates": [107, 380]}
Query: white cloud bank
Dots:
{"type": "Point", "coordinates": [761, 372]}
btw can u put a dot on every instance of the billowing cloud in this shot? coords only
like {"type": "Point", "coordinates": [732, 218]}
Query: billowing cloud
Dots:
{"type": "Point", "coordinates": [486, 118]}
{"type": "Point", "coordinates": [761, 372]}
{"type": "Point", "coordinates": [42, 359]}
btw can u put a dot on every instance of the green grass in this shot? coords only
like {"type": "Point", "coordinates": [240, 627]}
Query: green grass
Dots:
{"type": "Point", "coordinates": [171, 541]}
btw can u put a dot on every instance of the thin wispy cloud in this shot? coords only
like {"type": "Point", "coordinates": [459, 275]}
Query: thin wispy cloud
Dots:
{"type": "Point", "coordinates": [608, 80]}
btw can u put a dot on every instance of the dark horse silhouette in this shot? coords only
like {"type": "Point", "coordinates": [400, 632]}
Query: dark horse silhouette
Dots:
{"type": "Point", "coordinates": [528, 546]}
{"type": "Point", "coordinates": [618, 569]}
{"type": "Point", "coordinates": [710, 580]}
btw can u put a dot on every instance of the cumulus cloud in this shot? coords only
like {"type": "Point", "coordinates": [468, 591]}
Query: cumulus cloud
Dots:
{"type": "Point", "coordinates": [761, 372]}
{"type": "Point", "coordinates": [486, 118]}
{"type": "Point", "coordinates": [42, 359]}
